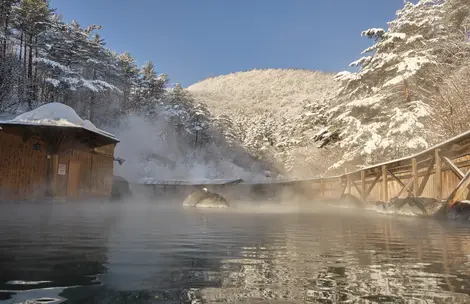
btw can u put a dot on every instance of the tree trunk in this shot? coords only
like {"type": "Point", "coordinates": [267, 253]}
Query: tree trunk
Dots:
{"type": "Point", "coordinates": [30, 73]}
{"type": "Point", "coordinates": [35, 77]}
{"type": "Point", "coordinates": [21, 44]}
{"type": "Point", "coordinates": [5, 38]}
{"type": "Point", "coordinates": [92, 101]}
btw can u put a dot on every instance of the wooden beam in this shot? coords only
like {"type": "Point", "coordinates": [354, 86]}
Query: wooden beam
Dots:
{"type": "Point", "coordinates": [453, 167]}
{"type": "Point", "coordinates": [406, 187]}
{"type": "Point", "coordinates": [458, 191]}
{"type": "Point", "coordinates": [53, 174]}
{"type": "Point", "coordinates": [357, 188]}
{"type": "Point", "coordinates": [426, 177]}
{"type": "Point", "coordinates": [414, 173]}
{"type": "Point", "coordinates": [438, 175]}
{"type": "Point", "coordinates": [348, 180]}
{"type": "Point", "coordinates": [384, 184]}
{"type": "Point", "coordinates": [401, 183]}
{"type": "Point", "coordinates": [371, 186]}
{"type": "Point", "coordinates": [343, 188]}
{"type": "Point", "coordinates": [363, 185]}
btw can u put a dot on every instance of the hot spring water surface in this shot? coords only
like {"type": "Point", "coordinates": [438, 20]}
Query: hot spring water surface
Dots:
{"type": "Point", "coordinates": [162, 253]}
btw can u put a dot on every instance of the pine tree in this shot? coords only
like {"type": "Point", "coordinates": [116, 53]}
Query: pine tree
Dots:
{"type": "Point", "coordinates": [6, 16]}
{"type": "Point", "coordinates": [130, 74]}
{"type": "Point", "coordinates": [385, 103]}
{"type": "Point", "coordinates": [33, 18]}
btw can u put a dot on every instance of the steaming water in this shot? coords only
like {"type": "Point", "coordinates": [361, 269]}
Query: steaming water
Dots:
{"type": "Point", "coordinates": [153, 253]}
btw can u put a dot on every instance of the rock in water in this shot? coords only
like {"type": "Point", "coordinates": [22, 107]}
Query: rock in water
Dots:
{"type": "Point", "coordinates": [194, 198]}
{"type": "Point", "coordinates": [205, 199]}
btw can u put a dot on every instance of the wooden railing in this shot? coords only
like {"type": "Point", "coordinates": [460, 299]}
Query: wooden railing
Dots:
{"type": "Point", "coordinates": [441, 172]}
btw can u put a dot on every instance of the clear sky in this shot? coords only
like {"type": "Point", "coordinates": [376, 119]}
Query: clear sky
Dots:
{"type": "Point", "coordinates": [191, 40]}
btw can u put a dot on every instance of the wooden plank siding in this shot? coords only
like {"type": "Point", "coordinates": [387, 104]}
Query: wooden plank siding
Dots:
{"type": "Point", "coordinates": [24, 171]}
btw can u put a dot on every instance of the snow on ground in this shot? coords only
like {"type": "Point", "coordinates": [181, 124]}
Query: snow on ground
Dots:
{"type": "Point", "coordinates": [56, 114]}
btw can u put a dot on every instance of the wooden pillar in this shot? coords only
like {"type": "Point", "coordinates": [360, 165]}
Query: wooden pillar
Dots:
{"type": "Point", "coordinates": [363, 185]}
{"type": "Point", "coordinates": [322, 188]}
{"type": "Point", "coordinates": [384, 184]}
{"type": "Point", "coordinates": [414, 172]}
{"type": "Point", "coordinates": [53, 174]}
{"type": "Point", "coordinates": [438, 175]}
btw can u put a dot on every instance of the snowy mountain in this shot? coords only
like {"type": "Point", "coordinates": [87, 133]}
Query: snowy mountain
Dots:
{"type": "Point", "coordinates": [398, 102]}
{"type": "Point", "coordinates": [261, 108]}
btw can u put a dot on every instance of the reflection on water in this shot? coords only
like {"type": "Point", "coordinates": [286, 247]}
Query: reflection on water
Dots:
{"type": "Point", "coordinates": [150, 253]}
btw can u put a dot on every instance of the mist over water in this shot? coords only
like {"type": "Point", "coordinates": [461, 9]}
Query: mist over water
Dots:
{"type": "Point", "coordinates": [151, 153]}
{"type": "Point", "coordinates": [158, 252]}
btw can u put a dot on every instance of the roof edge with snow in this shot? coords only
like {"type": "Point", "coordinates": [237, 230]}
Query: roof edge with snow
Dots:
{"type": "Point", "coordinates": [59, 116]}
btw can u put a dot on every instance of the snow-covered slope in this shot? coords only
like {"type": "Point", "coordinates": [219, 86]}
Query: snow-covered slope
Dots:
{"type": "Point", "coordinates": [279, 92]}
{"type": "Point", "coordinates": [260, 108]}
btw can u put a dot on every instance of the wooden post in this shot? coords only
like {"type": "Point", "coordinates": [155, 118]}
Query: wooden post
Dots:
{"type": "Point", "coordinates": [322, 188]}
{"type": "Point", "coordinates": [426, 177]}
{"type": "Point", "coordinates": [372, 185]}
{"type": "Point", "coordinates": [53, 174]}
{"type": "Point", "coordinates": [458, 191]}
{"type": "Point", "coordinates": [348, 179]}
{"type": "Point", "coordinates": [414, 172]}
{"type": "Point", "coordinates": [384, 184]}
{"type": "Point", "coordinates": [343, 188]}
{"type": "Point", "coordinates": [363, 185]}
{"type": "Point", "coordinates": [438, 176]}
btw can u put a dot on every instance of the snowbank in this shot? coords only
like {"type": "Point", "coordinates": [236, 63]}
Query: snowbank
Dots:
{"type": "Point", "coordinates": [57, 114]}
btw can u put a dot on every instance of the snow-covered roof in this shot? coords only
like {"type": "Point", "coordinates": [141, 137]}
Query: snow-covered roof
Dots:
{"type": "Point", "coordinates": [58, 115]}
{"type": "Point", "coordinates": [152, 181]}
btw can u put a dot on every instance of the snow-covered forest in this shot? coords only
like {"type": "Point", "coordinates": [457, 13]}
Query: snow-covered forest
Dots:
{"type": "Point", "coordinates": [409, 90]}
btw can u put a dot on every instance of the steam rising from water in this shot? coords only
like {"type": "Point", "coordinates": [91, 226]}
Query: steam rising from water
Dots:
{"type": "Point", "coordinates": [149, 153]}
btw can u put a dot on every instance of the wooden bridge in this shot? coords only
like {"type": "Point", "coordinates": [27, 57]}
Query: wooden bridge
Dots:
{"type": "Point", "coordinates": [440, 172]}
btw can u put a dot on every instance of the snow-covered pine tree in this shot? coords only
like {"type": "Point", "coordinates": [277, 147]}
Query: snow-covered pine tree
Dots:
{"type": "Point", "coordinates": [150, 88]}
{"type": "Point", "coordinates": [130, 76]}
{"type": "Point", "coordinates": [32, 20]}
{"type": "Point", "coordinates": [380, 111]}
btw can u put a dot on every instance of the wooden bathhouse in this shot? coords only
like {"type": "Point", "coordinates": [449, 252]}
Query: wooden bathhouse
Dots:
{"type": "Point", "coordinates": [59, 159]}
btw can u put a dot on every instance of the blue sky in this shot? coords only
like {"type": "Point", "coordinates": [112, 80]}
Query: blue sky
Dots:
{"type": "Point", "coordinates": [191, 40]}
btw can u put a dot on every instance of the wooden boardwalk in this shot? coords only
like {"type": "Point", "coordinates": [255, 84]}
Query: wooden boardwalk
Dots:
{"type": "Point", "coordinates": [441, 172]}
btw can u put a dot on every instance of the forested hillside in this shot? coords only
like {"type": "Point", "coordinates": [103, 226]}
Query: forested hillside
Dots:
{"type": "Point", "coordinates": [261, 108]}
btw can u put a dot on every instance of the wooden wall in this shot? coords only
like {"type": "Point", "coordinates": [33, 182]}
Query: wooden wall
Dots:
{"type": "Point", "coordinates": [24, 171]}
{"type": "Point", "coordinates": [96, 173]}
